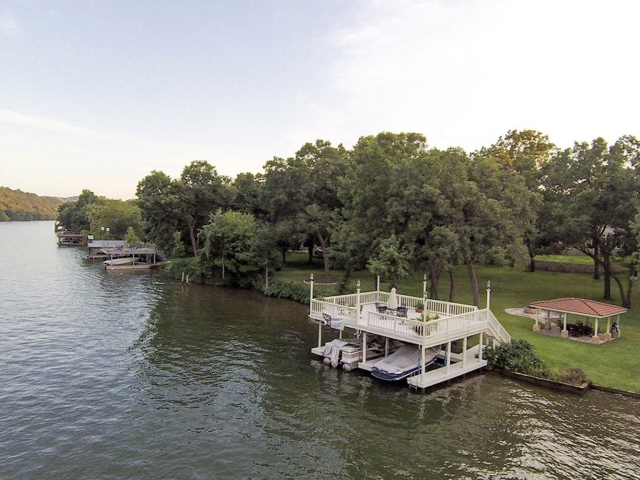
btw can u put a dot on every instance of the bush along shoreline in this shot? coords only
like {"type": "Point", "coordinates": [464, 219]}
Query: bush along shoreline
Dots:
{"type": "Point", "coordinates": [518, 359]}
{"type": "Point", "coordinates": [276, 288]}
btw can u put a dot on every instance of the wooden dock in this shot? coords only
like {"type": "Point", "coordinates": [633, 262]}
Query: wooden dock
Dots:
{"type": "Point", "coordinates": [130, 258]}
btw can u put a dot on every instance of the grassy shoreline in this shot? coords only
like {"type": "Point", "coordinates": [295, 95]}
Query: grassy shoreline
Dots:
{"type": "Point", "coordinates": [615, 364]}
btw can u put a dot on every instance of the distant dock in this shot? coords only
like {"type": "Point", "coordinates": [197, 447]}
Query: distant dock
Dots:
{"type": "Point", "coordinates": [131, 258]}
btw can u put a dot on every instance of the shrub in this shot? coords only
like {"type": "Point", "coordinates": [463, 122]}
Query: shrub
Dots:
{"type": "Point", "coordinates": [573, 376]}
{"type": "Point", "coordinates": [280, 289]}
{"type": "Point", "coordinates": [517, 356]}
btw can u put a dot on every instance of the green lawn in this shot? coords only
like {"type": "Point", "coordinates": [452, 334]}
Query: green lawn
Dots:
{"type": "Point", "coordinates": [615, 364]}
{"type": "Point", "coordinates": [579, 259]}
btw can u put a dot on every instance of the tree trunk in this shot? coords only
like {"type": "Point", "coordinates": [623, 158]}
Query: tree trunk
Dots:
{"type": "Point", "coordinates": [625, 299]}
{"type": "Point", "coordinates": [433, 289]}
{"type": "Point", "coordinates": [596, 262]}
{"type": "Point", "coordinates": [474, 280]}
{"type": "Point", "coordinates": [222, 258]}
{"type": "Point", "coordinates": [452, 283]}
{"type": "Point", "coordinates": [606, 263]}
{"type": "Point", "coordinates": [325, 255]}
{"type": "Point", "coordinates": [310, 250]}
{"type": "Point", "coordinates": [532, 255]}
{"type": "Point", "coordinates": [284, 254]}
{"type": "Point", "coordinates": [192, 234]}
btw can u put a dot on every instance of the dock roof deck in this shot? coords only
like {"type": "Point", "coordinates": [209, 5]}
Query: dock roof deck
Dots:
{"type": "Point", "coordinates": [451, 321]}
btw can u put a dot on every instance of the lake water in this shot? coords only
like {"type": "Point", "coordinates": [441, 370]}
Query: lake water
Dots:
{"type": "Point", "coordinates": [134, 375]}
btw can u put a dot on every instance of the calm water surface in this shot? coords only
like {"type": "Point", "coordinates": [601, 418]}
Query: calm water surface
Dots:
{"type": "Point", "coordinates": [133, 375]}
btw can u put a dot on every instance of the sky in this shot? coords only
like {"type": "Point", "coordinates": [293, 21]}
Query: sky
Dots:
{"type": "Point", "coordinates": [97, 94]}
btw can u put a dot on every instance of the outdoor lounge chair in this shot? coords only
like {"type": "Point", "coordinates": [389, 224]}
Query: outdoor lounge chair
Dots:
{"type": "Point", "coordinates": [336, 323]}
{"type": "Point", "coordinates": [380, 308]}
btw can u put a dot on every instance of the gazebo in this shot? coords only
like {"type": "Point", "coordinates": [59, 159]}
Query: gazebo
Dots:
{"type": "Point", "coordinates": [584, 307]}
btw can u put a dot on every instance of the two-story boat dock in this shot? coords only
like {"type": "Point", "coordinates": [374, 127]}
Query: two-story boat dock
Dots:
{"type": "Point", "coordinates": [441, 324]}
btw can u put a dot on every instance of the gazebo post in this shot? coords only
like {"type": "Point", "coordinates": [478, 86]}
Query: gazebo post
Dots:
{"type": "Point", "coordinates": [596, 339]}
{"type": "Point", "coordinates": [536, 325]}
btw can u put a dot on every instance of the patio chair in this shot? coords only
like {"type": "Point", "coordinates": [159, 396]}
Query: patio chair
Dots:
{"type": "Point", "coordinates": [401, 311]}
{"type": "Point", "coordinates": [380, 308]}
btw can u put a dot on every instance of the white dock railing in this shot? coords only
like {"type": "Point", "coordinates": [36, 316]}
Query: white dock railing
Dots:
{"type": "Point", "coordinates": [427, 333]}
{"type": "Point", "coordinates": [496, 328]}
{"type": "Point", "coordinates": [448, 308]}
{"type": "Point", "coordinates": [456, 320]}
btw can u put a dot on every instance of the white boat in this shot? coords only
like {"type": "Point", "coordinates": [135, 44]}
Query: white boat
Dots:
{"type": "Point", "coordinates": [121, 261]}
{"type": "Point", "coordinates": [405, 361]}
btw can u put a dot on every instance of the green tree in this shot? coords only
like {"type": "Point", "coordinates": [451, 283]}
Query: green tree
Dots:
{"type": "Point", "coordinates": [246, 194]}
{"type": "Point", "coordinates": [201, 191]}
{"type": "Point", "coordinates": [228, 241]}
{"type": "Point", "coordinates": [75, 216]}
{"type": "Point", "coordinates": [131, 238]}
{"type": "Point", "coordinates": [524, 153]}
{"type": "Point", "coordinates": [591, 195]}
{"type": "Point", "coordinates": [391, 260]}
{"type": "Point", "coordinates": [373, 194]}
{"type": "Point", "coordinates": [159, 205]}
{"type": "Point", "coordinates": [116, 215]}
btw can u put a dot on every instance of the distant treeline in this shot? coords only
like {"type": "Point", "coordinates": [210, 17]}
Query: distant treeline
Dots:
{"type": "Point", "coordinates": [16, 205]}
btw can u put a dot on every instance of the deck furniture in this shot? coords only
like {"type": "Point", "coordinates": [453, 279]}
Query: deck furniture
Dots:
{"type": "Point", "coordinates": [337, 323]}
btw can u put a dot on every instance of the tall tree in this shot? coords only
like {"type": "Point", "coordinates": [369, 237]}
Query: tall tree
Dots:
{"type": "Point", "coordinates": [325, 166]}
{"type": "Point", "coordinates": [372, 193]}
{"type": "Point", "coordinates": [201, 191]}
{"type": "Point", "coordinates": [524, 153]}
{"type": "Point", "coordinates": [159, 204]}
{"type": "Point", "coordinates": [74, 216]}
{"type": "Point", "coordinates": [228, 242]}
{"type": "Point", "coordinates": [591, 195]}
{"type": "Point", "coordinates": [116, 215]}
{"type": "Point", "coordinates": [246, 193]}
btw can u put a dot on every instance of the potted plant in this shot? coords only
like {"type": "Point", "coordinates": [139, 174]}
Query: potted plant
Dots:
{"type": "Point", "coordinates": [420, 307]}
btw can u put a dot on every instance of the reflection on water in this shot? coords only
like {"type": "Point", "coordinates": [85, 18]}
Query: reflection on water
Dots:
{"type": "Point", "coordinates": [110, 374]}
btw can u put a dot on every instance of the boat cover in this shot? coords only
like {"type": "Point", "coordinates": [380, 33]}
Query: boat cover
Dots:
{"type": "Point", "coordinates": [407, 357]}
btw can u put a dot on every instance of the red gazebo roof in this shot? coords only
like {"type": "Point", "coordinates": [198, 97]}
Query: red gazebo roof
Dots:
{"type": "Point", "coordinates": [580, 306]}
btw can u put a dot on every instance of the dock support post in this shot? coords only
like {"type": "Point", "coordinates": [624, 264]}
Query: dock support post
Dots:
{"type": "Point", "coordinates": [422, 365]}
{"type": "Point", "coordinates": [464, 352]}
{"type": "Point", "coordinates": [448, 355]}
{"type": "Point", "coordinates": [187, 279]}
{"type": "Point", "coordinates": [358, 313]}
{"type": "Point", "coordinates": [364, 347]}
{"type": "Point", "coordinates": [319, 334]}
{"type": "Point", "coordinates": [182, 277]}
{"type": "Point", "coordinates": [480, 348]}
{"type": "Point", "coordinates": [386, 346]}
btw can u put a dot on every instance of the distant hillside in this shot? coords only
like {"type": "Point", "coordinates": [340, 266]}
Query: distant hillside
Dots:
{"type": "Point", "coordinates": [19, 205]}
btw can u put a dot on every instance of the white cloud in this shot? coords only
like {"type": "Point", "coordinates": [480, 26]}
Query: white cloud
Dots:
{"type": "Point", "coordinates": [8, 25]}
{"type": "Point", "coordinates": [464, 72]}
